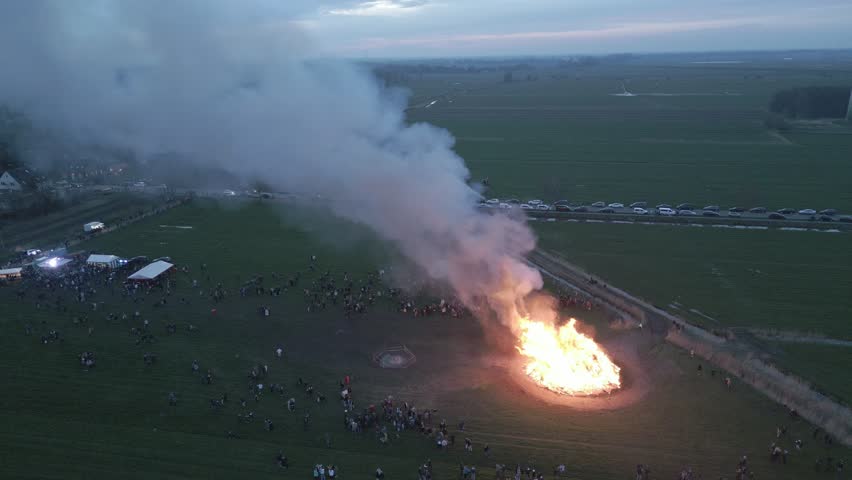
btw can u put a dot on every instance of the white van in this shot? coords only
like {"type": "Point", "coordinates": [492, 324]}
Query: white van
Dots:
{"type": "Point", "coordinates": [666, 211]}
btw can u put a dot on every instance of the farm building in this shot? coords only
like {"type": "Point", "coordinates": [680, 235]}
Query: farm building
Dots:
{"type": "Point", "coordinates": [102, 261]}
{"type": "Point", "coordinates": [10, 273]}
{"type": "Point", "coordinates": [8, 183]}
{"type": "Point", "coordinates": [152, 271]}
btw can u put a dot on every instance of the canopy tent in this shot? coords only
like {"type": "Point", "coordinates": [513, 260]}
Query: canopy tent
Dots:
{"type": "Point", "coordinates": [97, 260]}
{"type": "Point", "coordinates": [151, 271]}
{"type": "Point", "coordinates": [10, 273]}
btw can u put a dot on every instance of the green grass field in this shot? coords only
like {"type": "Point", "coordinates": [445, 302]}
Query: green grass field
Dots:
{"type": "Point", "coordinates": [60, 421]}
{"type": "Point", "coordinates": [568, 138]}
{"type": "Point", "coordinates": [823, 365]}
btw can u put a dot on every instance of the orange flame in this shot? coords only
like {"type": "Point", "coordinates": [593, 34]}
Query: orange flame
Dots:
{"type": "Point", "coordinates": [565, 361]}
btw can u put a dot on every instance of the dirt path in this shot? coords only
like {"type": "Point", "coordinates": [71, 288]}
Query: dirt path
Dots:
{"type": "Point", "coordinates": [722, 349]}
{"type": "Point", "coordinates": [780, 137]}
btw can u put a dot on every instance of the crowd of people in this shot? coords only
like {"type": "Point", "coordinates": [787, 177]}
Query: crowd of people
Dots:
{"type": "Point", "coordinates": [81, 292]}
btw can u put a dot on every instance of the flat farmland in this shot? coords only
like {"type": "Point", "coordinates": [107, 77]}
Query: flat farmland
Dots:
{"type": "Point", "coordinates": [692, 134]}
{"type": "Point", "coordinates": [62, 421]}
{"type": "Point", "coordinates": [786, 280]}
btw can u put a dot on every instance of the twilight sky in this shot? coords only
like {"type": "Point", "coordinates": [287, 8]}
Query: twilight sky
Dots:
{"type": "Point", "coordinates": [414, 28]}
{"type": "Point", "coordinates": [437, 28]}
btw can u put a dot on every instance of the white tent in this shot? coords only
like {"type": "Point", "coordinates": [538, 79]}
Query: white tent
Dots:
{"type": "Point", "coordinates": [9, 273]}
{"type": "Point", "coordinates": [97, 260]}
{"type": "Point", "coordinates": [151, 271]}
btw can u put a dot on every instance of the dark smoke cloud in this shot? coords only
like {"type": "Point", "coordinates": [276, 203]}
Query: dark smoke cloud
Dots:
{"type": "Point", "coordinates": [234, 84]}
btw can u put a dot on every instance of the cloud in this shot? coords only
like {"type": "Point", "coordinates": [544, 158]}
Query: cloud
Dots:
{"type": "Point", "coordinates": [626, 30]}
{"type": "Point", "coordinates": [629, 31]}
{"type": "Point", "coordinates": [381, 8]}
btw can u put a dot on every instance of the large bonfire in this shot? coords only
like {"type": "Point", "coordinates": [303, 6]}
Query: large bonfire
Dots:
{"type": "Point", "coordinates": [564, 360]}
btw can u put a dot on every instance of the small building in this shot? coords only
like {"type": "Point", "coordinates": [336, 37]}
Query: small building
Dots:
{"type": "Point", "coordinates": [8, 183]}
{"type": "Point", "coordinates": [93, 226]}
{"type": "Point", "coordinates": [103, 261]}
{"type": "Point", "coordinates": [10, 273]}
{"type": "Point", "coordinates": [152, 271]}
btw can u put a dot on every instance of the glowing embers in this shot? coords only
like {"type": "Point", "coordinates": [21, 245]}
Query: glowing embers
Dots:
{"type": "Point", "coordinates": [564, 360]}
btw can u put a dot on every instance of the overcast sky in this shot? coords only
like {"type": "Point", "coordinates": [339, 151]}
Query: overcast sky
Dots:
{"type": "Point", "coordinates": [419, 28]}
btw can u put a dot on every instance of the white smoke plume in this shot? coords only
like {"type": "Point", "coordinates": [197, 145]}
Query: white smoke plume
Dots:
{"type": "Point", "coordinates": [234, 83]}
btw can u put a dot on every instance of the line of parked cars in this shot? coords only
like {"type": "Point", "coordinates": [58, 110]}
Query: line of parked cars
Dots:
{"type": "Point", "coordinates": [683, 209]}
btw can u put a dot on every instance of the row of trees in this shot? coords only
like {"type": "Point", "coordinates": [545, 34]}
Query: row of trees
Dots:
{"type": "Point", "coordinates": [811, 102]}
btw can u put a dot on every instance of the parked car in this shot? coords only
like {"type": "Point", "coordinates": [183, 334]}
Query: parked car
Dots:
{"type": "Point", "coordinates": [685, 206]}
{"type": "Point", "coordinates": [710, 213]}
{"type": "Point", "coordinates": [711, 208]}
{"type": "Point", "coordinates": [786, 211]}
{"type": "Point", "coordinates": [505, 206]}
{"type": "Point", "coordinates": [513, 201]}
{"type": "Point", "coordinates": [599, 204]}
{"type": "Point", "coordinates": [580, 209]}
{"type": "Point", "coordinates": [526, 206]}
{"type": "Point", "coordinates": [757, 210]}
{"type": "Point", "coordinates": [845, 219]}
{"type": "Point", "coordinates": [666, 211]}
{"type": "Point", "coordinates": [493, 201]}
{"type": "Point", "coordinates": [135, 261]}
{"type": "Point", "coordinates": [560, 207]}
{"type": "Point", "coordinates": [686, 213]}
{"type": "Point", "coordinates": [640, 211]}
{"type": "Point", "coordinates": [33, 252]}
{"type": "Point", "coordinates": [807, 211]}
{"type": "Point", "coordinates": [663, 205]}
{"type": "Point", "coordinates": [561, 202]}
{"type": "Point", "coordinates": [606, 210]}
{"type": "Point", "coordinates": [735, 214]}
{"type": "Point", "coordinates": [638, 204]}
{"type": "Point", "coordinates": [828, 211]}
{"type": "Point", "coordinates": [543, 206]}
{"type": "Point", "coordinates": [736, 210]}
{"type": "Point", "coordinates": [534, 202]}
{"type": "Point", "coordinates": [826, 218]}
{"type": "Point", "coordinates": [616, 205]}
{"type": "Point", "coordinates": [776, 216]}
